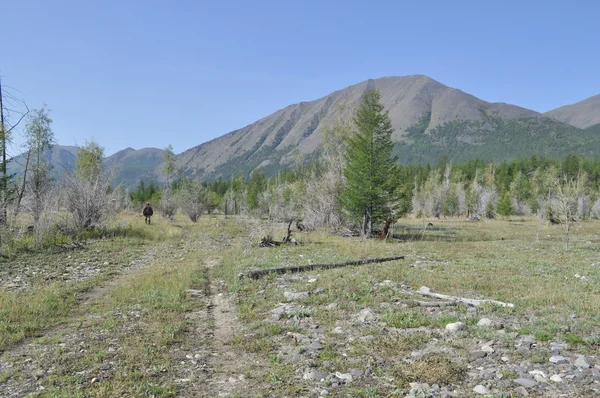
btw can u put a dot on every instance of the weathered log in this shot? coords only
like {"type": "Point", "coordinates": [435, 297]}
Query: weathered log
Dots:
{"type": "Point", "coordinates": [430, 303]}
{"type": "Point", "coordinates": [301, 268]}
{"type": "Point", "coordinates": [425, 291]}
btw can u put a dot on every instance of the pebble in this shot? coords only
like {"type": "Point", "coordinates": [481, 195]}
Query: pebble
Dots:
{"type": "Point", "coordinates": [346, 377]}
{"type": "Point", "coordinates": [556, 378]}
{"type": "Point", "coordinates": [455, 327]}
{"type": "Point", "coordinates": [521, 391]}
{"type": "Point", "coordinates": [525, 382]}
{"type": "Point", "coordinates": [582, 362]}
{"type": "Point", "coordinates": [479, 389]}
{"type": "Point", "coordinates": [295, 296]}
{"type": "Point", "coordinates": [366, 315]}
{"type": "Point", "coordinates": [558, 359]}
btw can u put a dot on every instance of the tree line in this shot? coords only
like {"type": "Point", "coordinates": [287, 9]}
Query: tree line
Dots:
{"type": "Point", "coordinates": [355, 182]}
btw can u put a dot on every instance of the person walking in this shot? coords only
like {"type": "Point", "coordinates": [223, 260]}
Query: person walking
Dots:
{"type": "Point", "coordinates": [147, 212]}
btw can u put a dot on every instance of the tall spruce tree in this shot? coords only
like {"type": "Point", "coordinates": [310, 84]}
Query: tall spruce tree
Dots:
{"type": "Point", "coordinates": [371, 171]}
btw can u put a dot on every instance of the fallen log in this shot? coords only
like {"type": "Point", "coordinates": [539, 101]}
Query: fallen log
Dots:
{"type": "Point", "coordinates": [301, 268]}
{"type": "Point", "coordinates": [430, 303]}
{"type": "Point", "coordinates": [425, 291]}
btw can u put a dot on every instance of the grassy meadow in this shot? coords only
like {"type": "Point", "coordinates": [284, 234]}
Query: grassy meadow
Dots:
{"type": "Point", "coordinates": [133, 328]}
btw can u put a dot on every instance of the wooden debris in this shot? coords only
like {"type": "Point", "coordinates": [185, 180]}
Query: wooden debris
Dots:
{"type": "Point", "coordinates": [425, 291]}
{"type": "Point", "coordinates": [301, 268]}
{"type": "Point", "coordinates": [71, 247]}
{"type": "Point", "coordinates": [268, 241]}
{"type": "Point", "coordinates": [430, 303]}
{"type": "Point", "coordinates": [346, 233]}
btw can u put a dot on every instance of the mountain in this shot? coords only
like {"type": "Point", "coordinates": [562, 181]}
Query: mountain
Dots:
{"type": "Point", "coordinates": [583, 114]}
{"type": "Point", "coordinates": [128, 166]}
{"type": "Point", "coordinates": [271, 142]}
{"type": "Point", "coordinates": [430, 120]}
{"type": "Point", "coordinates": [61, 157]}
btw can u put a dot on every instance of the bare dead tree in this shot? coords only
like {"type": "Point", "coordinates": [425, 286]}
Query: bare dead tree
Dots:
{"type": "Point", "coordinates": [9, 104]}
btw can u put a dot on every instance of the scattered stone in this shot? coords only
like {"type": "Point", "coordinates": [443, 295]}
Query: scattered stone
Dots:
{"type": "Point", "coordinates": [479, 389]}
{"type": "Point", "coordinates": [521, 391]}
{"type": "Point", "coordinates": [314, 374]}
{"type": "Point", "coordinates": [346, 377]}
{"type": "Point", "coordinates": [476, 355]}
{"type": "Point", "coordinates": [558, 359]}
{"type": "Point", "coordinates": [290, 296]}
{"type": "Point", "coordinates": [582, 362]}
{"type": "Point", "coordinates": [366, 315]}
{"type": "Point", "coordinates": [315, 346]}
{"type": "Point", "coordinates": [455, 327]}
{"type": "Point", "coordinates": [277, 313]}
{"type": "Point", "coordinates": [355, 372]}
{"type": "Point", "coordinates": [527, 383]}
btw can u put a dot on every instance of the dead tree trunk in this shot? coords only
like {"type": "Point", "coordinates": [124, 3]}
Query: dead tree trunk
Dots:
{"type": "Point", "coordinates": [301, 268]}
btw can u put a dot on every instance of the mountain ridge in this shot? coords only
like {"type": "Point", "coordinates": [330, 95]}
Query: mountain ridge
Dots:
{"type": "Point", "coordinates": [429, 119]}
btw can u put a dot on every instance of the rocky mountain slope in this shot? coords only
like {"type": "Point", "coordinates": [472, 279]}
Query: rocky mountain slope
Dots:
{"type": "Point", "coordinates": [128, 166]}
{"type": "Point", "coordinates": [270, 142]}
{"type": "Point", "coordinates": [430, 120]}
{"type": "Point", "coordinates": [582, 114]}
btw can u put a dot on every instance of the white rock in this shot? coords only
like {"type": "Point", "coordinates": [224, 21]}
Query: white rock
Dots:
{"type": "Point", "coordinates": [338, 330]}
{"type": "Point", "coordinates": [347, 377]}
{"type": "Point", "coordinates": [558, 359]}
{"type": "Point", "coordinates": [556, 378]}
{"type": "Point", "coordinates": [537, 372]}
{"type": "Point", "coordinates": [295, 296]}
{"type": "Point", "coordinates": [485, 322]}
{"type": "Point", "coordinates": [479, 389]}
{"type": "Point", "coordinates": [488, 349]}
{"type": "Point", "coordinates": [366, 315]}
{"type": "Point", "coordinates": [582, 362]}
{"type": "Point", "coordinates": [455, 327]}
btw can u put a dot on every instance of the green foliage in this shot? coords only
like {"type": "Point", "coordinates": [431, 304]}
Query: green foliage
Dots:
{"type": "Point", "coordinates": [144, 194]}
{"type": "Point", "coordinates": [371, 173]}
{"type": "Point", "coordinates": [89, 161]}
{"type": "Point", "coordinates": [505, 207]}
{"type": "Point", "coordinates": [256, 186]}
{"type": "Point", "coordinates": [168, 162]}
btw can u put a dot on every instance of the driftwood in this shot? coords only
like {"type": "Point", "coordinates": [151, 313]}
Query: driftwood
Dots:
{"type": "Point", "coordinates": [71, 247]}
{"type": "Point", "coordinates": [268, 241]}
{"type": "Point", "coordinates": [301, 268]}
{"type": "Point", "coordinates": [425, 291]}
{"type": "Point", "coordinates": [430, 303]}
{"type": "Point", "coordinates": [346, 233]}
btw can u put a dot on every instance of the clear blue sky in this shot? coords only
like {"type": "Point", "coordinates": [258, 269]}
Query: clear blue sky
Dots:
{"type": "Point", "coordinates": [153, 73]}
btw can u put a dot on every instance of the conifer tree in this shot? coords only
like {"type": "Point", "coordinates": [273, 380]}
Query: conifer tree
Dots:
{"type": "Point", "coordinates": [370, 170]}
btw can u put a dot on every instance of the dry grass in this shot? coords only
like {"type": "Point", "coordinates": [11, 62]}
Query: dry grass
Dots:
{"type": "Point", "coordinates": [496, 259]}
